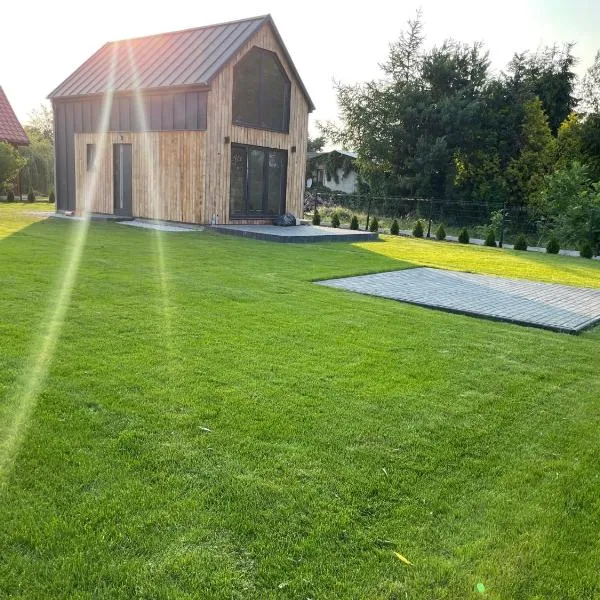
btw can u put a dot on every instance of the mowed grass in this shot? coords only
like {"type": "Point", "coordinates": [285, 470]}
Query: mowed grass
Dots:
{"type": "Point", "coordinates": [17, 215]}
{"type": "Point", "coordinates": [234, 431]}
{"type": "Point", "coordinates": [491, 261]}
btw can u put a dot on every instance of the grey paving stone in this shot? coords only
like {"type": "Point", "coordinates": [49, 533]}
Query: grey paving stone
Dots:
{"type": "Point", "coordinates": [546, 305]}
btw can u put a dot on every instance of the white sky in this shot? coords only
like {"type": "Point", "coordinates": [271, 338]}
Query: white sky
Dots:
{"type": "Point", "coordinates": [42, 42]}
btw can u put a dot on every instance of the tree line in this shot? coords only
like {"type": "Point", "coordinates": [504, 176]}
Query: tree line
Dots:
{"type": "Point", "coordinates": [440, 124]}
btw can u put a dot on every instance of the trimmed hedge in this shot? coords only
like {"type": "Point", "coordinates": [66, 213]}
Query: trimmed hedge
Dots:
{"type": "Point", "coordinates": [418, 229]}
{"type": "Point", "coordinates": [521, 243]}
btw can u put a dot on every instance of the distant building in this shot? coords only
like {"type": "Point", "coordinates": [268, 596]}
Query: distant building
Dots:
{"type": "Point", "coordinates": [335, 170]}
{"type": "Point", "coordinates": [11, 130]}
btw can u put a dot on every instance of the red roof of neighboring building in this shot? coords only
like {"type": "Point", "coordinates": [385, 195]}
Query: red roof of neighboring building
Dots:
{"type": "Point", "coordinates": [10, 128]}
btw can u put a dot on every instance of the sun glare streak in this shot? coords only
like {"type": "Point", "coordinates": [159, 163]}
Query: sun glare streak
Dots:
{"type": "Point", "coordinates": [148, 156]}
{"type": "Point", "coordinates": [22, 401]}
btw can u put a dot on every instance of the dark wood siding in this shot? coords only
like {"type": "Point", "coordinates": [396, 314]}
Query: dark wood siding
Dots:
{"type": "Point", "coordinates": [160, 112]}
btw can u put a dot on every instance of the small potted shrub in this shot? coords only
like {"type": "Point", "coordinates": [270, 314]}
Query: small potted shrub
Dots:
{"type": "Point", "coordinates": [463, 236]}
{"type": "Point", "coordinates": [335, 220]}
{"type": "Point", "coordinates": [418, 229]}
{"type": "Point", "coordinates": [10, 196]}
{"type": "Point", "coordinates": [553, 246]}
{"type": "Point", "coordinates": [586, 250]}
{"type": "Point", "coordinates": [354, 223]}
{"type": "Point", "coordinates": [440, 234]}
{"type": "Point", "coordinates": [51, 197]}
{"type": "Point", "coordinates": [490, 238]}
{"type": "Point", "coordinates": [395, 228]}
{"type": "Point", "coordinates": [316, 220]}
{"type": "Point", "coordinates": [30, 195]}
{"type": "Point", "coordinates": [521, 243]}
{"type": "Point", "coordinates": [374, 226]}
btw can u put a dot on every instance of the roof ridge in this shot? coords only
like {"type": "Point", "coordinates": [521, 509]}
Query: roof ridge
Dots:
{"type": "Point", "coordinates": [177, 31]}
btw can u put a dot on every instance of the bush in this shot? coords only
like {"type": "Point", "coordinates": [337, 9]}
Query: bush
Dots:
{"type": "Point", "coordinates": [354, 222]}
{"type": "Point", "coordinates": [335, 220]}
{"type": "Point", "coordinates": [51, 197]}
{"type": "Point", "coordinates": [586, 250]}
{"type": "Point", "coordinates": [316, 220]}
{"type": "Point", "coordinates": [553, 246]}
{"type": "Point", "coordinates": [521, 243]}
{"type": "Point", "coordinates": [440, 234]}
{"type": "Point", "coordinates": [30, 195]}
{"type": "Point", "coordinates": [10, 196]}
{"type": "Point", "coordinates": [395, 228]}
{"type": "Point", "coordinates": [374, 226]}
{"type": "Point", "coordinates": [490, 238]}
{"type": "Point", "coordinates": [463, 236]}
{"type": "Point", "coordinates": [418, 230]}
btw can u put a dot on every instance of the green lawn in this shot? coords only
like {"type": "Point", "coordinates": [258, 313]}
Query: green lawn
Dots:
{"type": "Point", "coordinates": [492, 261]}
{"type": "Point", "coordinates": [343, 428]}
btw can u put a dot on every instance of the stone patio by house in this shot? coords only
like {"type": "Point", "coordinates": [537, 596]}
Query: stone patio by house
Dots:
{"type": "Point", "coordinates": [296, 234]}
{"type": "Point", "coordinates": [546, 305]}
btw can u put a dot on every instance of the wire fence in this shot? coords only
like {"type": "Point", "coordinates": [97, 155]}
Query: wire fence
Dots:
{"type": "Point", "coordinates": [507, 222]}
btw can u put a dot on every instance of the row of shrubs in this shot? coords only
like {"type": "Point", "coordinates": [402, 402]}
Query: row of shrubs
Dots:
{"type": "Point", "coordinates": [552, 247]}
{"type": "Point", "coordinates": [10, 196]}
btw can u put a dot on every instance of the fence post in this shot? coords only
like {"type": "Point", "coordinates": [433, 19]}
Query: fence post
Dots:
{"type": "Point", "coordinates": [430, 215]}
{"type": "Point", "coordinates": [501, 241]}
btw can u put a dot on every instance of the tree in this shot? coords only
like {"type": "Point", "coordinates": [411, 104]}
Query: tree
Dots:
{"type": "Point", "coordinates": [590, 145]}
{"type": "Point", "coordinates": [590, 88]}
{"type": "Point", "coordinates": [42, 120]}
{"type": "Point", "coordinates": [526, 172]}
{"type": "Point", "coordinates": [549, 75]}
{"type": "Point", "coordinates": [572, 205]}
{"type": "Point", "coordinates": [39, 170]}
{"type": "Point", "coordinates": [568, 141]}
{"type": "Point", "coordinates": [315, 144]}
{"type": "Point", "coordinates": [404, 60]}
{"type": "Point", "coordinates": [10, 165]}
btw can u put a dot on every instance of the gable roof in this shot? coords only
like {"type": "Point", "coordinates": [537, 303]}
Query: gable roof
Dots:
{"type": "Point", "coordinates": [10, 128]}
{"type": "Point", "coordinates": [178, 58]}
{"type": "Point", "coordinates": [342, 152]}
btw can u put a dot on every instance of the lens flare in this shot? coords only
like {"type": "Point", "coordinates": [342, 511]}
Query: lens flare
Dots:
{"type": "Point", "coordinates": [147, 154]}
{"type": "Point", "coordinates": [21, 403]}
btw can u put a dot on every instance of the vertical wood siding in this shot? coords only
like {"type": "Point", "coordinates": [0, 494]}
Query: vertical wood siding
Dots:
{"type": "Point", "coordinates": [168, 174]}
{"type": "Point", "coordinates": [219, 126]}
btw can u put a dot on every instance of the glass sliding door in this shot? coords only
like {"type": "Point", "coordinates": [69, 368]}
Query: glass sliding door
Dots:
{"type": "Point", "coordinates": [237, 192]}
{"type": "Point", "coordinates": [258, 182]}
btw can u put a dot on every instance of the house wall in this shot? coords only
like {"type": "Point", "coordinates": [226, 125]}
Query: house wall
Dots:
{"type": "Point", "coordinates": [180, 172]}
{"type": "Point", "coordinates": [347, 183]}
{"type": "Point", "coordinates": [175, 110]}
{"type": "Point", "coordinates": [168, 173]}
{"type": "Point", "coordinates": [220, 126]}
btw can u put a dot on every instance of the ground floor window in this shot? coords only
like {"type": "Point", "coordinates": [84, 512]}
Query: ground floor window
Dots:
{"type": "Point", "coordinates": [258, 178]}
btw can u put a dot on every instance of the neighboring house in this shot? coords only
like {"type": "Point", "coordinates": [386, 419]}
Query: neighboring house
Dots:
{"type": "Point", "coordinates": [205, 125]}
{"type": "Point", "coordinates": [11, 130]}
{"type": "Point", "coordinates": [326, 167]}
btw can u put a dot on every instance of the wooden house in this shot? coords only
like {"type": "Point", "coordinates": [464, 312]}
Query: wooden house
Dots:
{"type": "Point", "coordinates": [205, 125]}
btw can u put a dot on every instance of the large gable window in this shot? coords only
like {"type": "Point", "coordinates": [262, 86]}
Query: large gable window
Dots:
{"type": "Point", "coordinates": [261, 92]}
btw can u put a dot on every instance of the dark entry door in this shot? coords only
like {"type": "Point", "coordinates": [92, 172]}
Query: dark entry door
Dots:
{"type": "Point", "coordinates": [122, 179]}
{"type": "Point", "coordinates": [258, 182]}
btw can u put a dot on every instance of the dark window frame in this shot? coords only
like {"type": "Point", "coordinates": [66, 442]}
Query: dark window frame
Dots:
{"type": "Point", "coordinates": [261, 96]}
{"type": "Point", "coordinates": [265, 200]}
{"type": "Point", "coordinates": [90, 150]}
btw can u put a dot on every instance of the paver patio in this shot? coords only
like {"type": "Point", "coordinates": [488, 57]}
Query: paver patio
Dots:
{"type": "Point", "coordinates": [546, 305]}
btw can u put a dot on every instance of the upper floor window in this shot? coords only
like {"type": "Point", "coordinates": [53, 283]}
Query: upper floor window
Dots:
{"type": "Point", "coordinates": [261, 92]}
